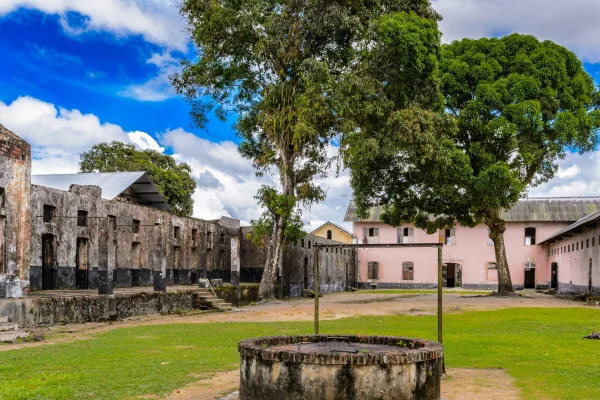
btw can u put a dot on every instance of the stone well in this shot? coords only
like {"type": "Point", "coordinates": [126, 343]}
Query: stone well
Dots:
{"type": "Point", "coordinates": [349, 367]}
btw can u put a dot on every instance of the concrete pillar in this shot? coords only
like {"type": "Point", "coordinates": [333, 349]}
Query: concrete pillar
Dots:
{"type": "Point", "coordinates": [105, 269]}
{"type": "Point", "coordinates": [235, 261]}
{"type": "Point", "coordinates": [160, 273]}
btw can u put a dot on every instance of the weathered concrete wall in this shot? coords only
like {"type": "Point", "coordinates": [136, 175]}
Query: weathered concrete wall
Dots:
{"type": "Point", "coordinates": [278, 368]}
{"type": "Point", "coordinates": [337, 267]}
{"type": "Point", "coordinates": [31, 312]}
{"type": "Point", "coordinates": [199, 248]}
{"type": "Point", "coordinates": [238, 296]}
{"type": "Point", "coordinates": [15, 215]}
{"type": "Point", "coordinates": [577, 259]}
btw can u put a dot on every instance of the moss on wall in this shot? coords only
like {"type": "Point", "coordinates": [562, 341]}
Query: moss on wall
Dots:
{"type": "Point", "coordinates": [247, 294]}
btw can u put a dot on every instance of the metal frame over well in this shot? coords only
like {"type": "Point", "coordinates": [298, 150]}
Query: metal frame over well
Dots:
{"type": "Point", "coordinates": [320, 246]}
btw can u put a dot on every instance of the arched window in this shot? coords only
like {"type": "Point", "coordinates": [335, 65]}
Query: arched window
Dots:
{"type": "Point", "coordinates": [329, 234]}
{"type": "Point", "coordinates": [529, 236]}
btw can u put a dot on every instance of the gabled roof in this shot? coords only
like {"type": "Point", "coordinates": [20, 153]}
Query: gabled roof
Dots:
{"type": "Point", "coordinates": [112, 184]}
{"type": "Point", "coordinates": [577, 227]}
{"type": "Point", "coordinates": [336, 225]}
{"type": "Point", "coordinates": [533, 209]}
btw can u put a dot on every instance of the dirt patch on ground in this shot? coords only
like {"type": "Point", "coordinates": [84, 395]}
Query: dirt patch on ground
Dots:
{"type": "Point", "coordinates": [460, 384]}
{"type": "Point", "coordinates": [213, 388]}
{"type": "Point", "coordinates": [477, 384]}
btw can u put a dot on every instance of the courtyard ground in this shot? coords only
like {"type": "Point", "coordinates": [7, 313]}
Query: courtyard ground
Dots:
{"type": "Point", "coordinates": [496, 348]}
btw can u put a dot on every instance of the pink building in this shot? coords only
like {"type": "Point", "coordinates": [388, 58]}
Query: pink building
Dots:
{"type": "Point", "coordinates": [468, 253]}
{"type": "Point", "coordinates": [574, 256]}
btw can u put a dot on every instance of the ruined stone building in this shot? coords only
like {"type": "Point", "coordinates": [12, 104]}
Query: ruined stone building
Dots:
{"type": "Point", "coordinates": [72, 231]}
{"type": "Point", "coordinates": [15, 215]}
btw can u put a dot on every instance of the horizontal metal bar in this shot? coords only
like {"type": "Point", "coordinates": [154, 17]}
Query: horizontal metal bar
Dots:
{"type": "Point", "coordinates": [378, 245]}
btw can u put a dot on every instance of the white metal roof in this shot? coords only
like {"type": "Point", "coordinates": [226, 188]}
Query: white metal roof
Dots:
{"type": "Point", "coordinates": [111, 183]}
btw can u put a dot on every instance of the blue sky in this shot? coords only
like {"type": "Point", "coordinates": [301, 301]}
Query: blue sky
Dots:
{"type": "Point", "coordinates": [73, 74]}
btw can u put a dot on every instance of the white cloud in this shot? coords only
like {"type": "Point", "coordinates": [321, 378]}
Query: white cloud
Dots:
{"type": "Point", "coordinates": [228, 182]}
{"type": "Point", "coordinates": [158, 87]}
{"type": "Point", "coordinates": [144, 141]}
{"type": "Point", "coordinates": [58, 136]}
{"type": "Point", "coordinates": [570, 172]}
{"type": "Point", "coordinates": [572, 23]}
{"type": "Point", "coordinates": [578, 176]}
{"type": "Point", "coordinates": [157, 21]}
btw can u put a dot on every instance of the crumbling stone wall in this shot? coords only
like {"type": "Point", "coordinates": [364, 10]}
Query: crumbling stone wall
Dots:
{"type": "Point", "coordinates": [144, 240]}
{"type": "Point", "coordinates": [15, 216]}
{"type": "Point", "coordinates": [337, 267]}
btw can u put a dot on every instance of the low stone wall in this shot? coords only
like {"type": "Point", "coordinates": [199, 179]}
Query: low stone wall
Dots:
{"type": "Point", "coordinates": [247, 294]}
{"type": "Point", "coordinates": [32, 312]}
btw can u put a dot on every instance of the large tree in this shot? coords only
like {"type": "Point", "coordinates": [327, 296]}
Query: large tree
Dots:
{"type": "Point", "coordinates": [517, 104]}
{"type": "Point", "coordinates": [294, 72]}
{"type": "Point", "coordinates": [171, 178]}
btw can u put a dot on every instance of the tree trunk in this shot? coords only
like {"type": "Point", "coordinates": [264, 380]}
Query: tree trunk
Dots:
{"type": "Point", "coordinates": [274, 254]}
{"type": "Point", "coordinates": [497, 229]}
{"type": "Point", "coordinates": [273, 263]}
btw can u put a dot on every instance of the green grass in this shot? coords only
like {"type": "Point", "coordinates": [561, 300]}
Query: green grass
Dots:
{"type": "Point", "coordinates": [424, 291]}
{"type": "Point", "coordinates": [541, 348]}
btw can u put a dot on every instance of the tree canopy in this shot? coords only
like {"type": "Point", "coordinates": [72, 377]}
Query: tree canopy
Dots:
{"type": "Point", "coordinates": [513, 107]}
{"type": "Point", "coordinates": [172, 179]}
{"type": "Point", "coordinates": [299, 74]}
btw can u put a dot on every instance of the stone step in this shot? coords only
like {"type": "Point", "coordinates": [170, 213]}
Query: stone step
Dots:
{"type": "Point", "coordinates": [3, 320]}
{"type": "Point", "coordinates": [7, 326]}
{"type": "Point", "coordinates": [10, 336]}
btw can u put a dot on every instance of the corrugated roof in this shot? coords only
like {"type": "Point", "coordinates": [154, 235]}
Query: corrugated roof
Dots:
{"type": "Point", "coordinates": [111, 183]}
{"type": "Point", "coordinates": [534, 209]}
{"type": "Point", "coordinates": [588, 219]}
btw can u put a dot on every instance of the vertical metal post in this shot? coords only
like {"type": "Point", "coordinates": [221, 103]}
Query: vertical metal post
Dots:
{"type": "Point", "coordinates": [440, 296]}
{"type": "Point", "coordinates": [316, 286]}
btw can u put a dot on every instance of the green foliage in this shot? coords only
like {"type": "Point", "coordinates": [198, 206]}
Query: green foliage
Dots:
{"type": "Point", "coordinates": [513, 107]}
{"type": "Point", "coordinates": [278, 205]}
{"type": "Point", "coordinates": [540, 348]}
{"type": "Point", "coordinates": [300, 74]}
{"type": "Point", "coordinates": [172, 179]}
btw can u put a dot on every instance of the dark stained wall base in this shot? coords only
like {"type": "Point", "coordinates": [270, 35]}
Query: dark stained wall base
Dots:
{"type": "Point", "coordinates": [400, 285]}
{"type": "Point", "coordinates": [35, 279]}
{"type": "Point", "coordinates": [65, 278]}
{"type": "Point", "coordinates": [170, 277]}
{"type": "Point", "coordinates": [182, 277]}
{"type": "Point", "coordinates": [105, 282]}
{"type": "Point", "coordinates": [123, 277]}
{"type": "Point", "coordinates": [93, 278]}
{"type": "Point", "coordinates": [160, 281]}
{"type": "Point", "coordinates": [251, 275]}
{"type": "Point", "coordinates": [577, 289]}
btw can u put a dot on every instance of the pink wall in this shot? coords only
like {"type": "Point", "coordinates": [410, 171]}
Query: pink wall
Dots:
{"type": "Point", "coordinates": [574, 265]}
{"type": "Point", "coordinates": [471, 250]}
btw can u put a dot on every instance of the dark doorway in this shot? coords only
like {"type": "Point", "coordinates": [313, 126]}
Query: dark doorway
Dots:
{"type": "Point", "coordinates": [347, 278]}
{"type": "Point", "coordinates": [451, 275]}
{"type": "Point", "coordinates": [554, 277]}
{"type": "Point", "coordinates": [306, 275]}
{"type": "Point", "coordinates": [529, 282]}
{"type": "Point", "coordinates": [590, 282]}
{"type": "Point", "coordinates": [81, 263]}
{"type": "Point", "coordinates": [48, 263]}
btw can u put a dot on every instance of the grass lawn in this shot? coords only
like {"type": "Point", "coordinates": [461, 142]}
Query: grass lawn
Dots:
{"type": "Point", "coordinates": [541, 348]}
{"type": "Point", "coordinates": [424, 291]}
